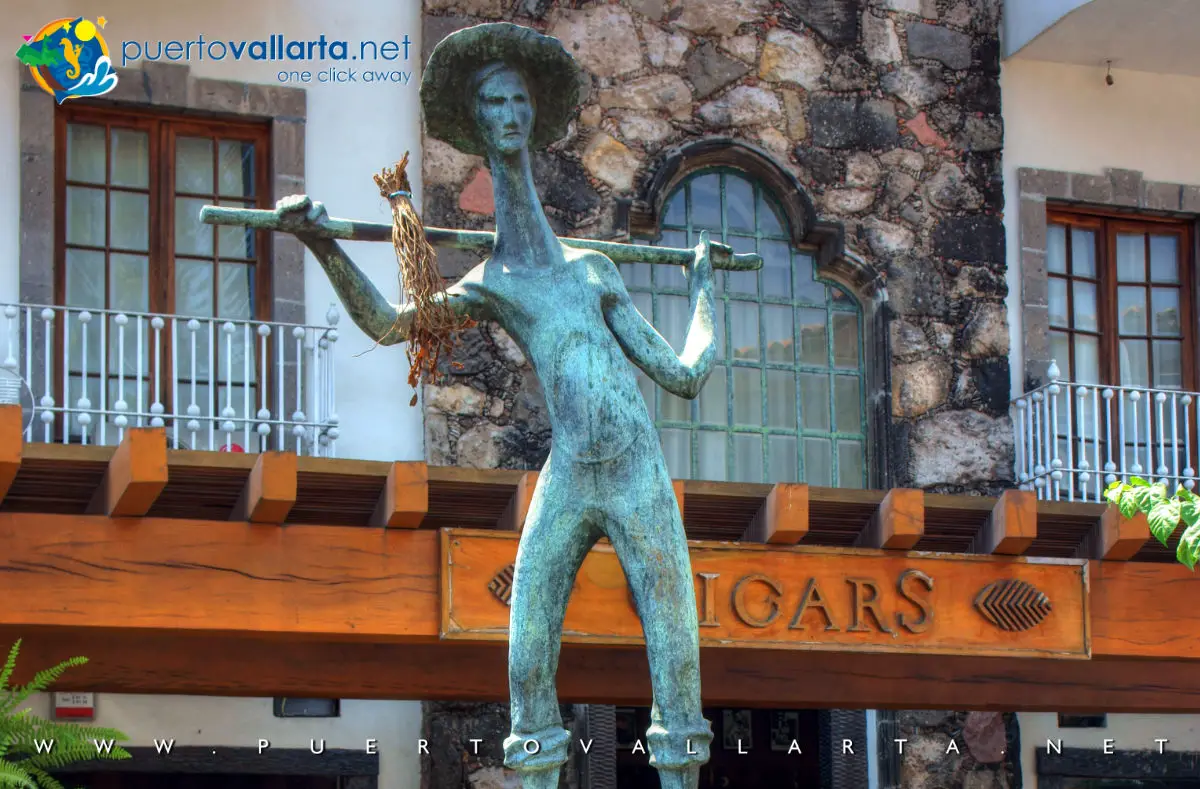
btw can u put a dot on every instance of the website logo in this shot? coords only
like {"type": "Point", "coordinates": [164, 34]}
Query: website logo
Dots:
{"type": "Point", "coordinates": [69, 59]}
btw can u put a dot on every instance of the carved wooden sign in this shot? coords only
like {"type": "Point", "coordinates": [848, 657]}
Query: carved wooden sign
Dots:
{"type": "Point", "coordinates": [752, 596]}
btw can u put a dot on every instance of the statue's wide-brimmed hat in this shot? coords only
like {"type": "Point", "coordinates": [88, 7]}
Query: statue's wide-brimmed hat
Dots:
{"type": "Point", "coordinates": [551, 72]}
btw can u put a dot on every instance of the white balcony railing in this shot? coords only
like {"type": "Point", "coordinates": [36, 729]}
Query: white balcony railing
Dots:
{"type": "Point", "coordinates": [1073, 440]}
{"type": "Point", "coordinates": [214, 384]}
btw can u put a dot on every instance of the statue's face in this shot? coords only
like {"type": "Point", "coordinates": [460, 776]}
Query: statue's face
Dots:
{"type": "Point", "coordinates": [504, 111]}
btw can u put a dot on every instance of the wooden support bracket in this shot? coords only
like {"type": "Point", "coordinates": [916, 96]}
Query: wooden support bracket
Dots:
{"type": "Point", "coordinates": [404, 502]}
{"type": "Point", "coordinates": [513, 518]}
{"type": "Point", "coordinates": [898, 524]}
{"type": "Point", "coordinates": [136, 474]}
{"type": "Point", "coordinates": [270, 491]}
{"type": "Point", "coordinates": [677, 485]}
{"type": "Point", "coordinates": [11, 442]}
{"type": "Point", "coordinates": [783, 517]}
{"type": "Point", "coordinates": [1116, 538]}
{"type": "Point", "coordinates": [1012, 526]}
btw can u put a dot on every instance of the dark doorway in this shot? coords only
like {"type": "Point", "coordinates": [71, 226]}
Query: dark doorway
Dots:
{"type": "Point", "coordinates": [765, 759]}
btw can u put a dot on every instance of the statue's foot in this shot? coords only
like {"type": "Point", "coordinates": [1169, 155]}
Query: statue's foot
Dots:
{"type": "Point", "coordinates": [545, 779]}
{"type": "Point", "coordinates": [679, 779]}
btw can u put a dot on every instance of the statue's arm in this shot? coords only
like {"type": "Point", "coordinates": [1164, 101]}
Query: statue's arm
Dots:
{"type": "Point", "coordinates": [682, 374]}
{"type": "Point", "coordinates": [378, 318]}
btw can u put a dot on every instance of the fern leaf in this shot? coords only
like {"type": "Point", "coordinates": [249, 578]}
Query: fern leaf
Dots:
{"type": "Point", "coordinates": [14, 777]}
{"type": "Point", "coordinates": [45, 780]}
{"type": "Point", "coordinates": [10, 664]}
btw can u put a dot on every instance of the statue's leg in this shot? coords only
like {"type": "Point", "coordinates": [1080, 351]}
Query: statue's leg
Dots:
{"type": "Point", "coordinates": [555, 541]}
{"type": "Point", "coordinates": [648, 537]}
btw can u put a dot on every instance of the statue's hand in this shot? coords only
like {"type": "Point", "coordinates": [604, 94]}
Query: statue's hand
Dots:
{"type": "Point", "coordinates": [700, 270]}
{"type": "Point", "coordinates": [300, 216]}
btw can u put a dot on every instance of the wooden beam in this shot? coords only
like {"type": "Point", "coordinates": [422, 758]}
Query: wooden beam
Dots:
{"type": "Point", "coordinates": [513, 518]}
{"type": "Point", "coordinates": [404, 501]}
{"type": "Point", "coordinates": [1116, 538]}
{"type": "Point", "coordinates": [136, 474]}
{"type": "Point", "coordinates": [678, 486]}
{"type": "Point", "coordinates": [251, 665]}
{"type": "Point", "coordinates": [898, 524]}
{"type": "Point", "coordinates": [1012, 526]}
{"type": "Point", "coordinates": [270, 490]}
{"type": "Point", "coordinates": [783, 517]}
{"type": "Point", "coordinates": [11, 442]}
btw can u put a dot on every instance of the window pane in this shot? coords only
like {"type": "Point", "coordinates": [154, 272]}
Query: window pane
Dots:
{"type": "Point", "coordinates": [644, 303]}
{"type": "Point", "coordinates": [781, 399]}
{"type": "Point", "coordinates": [672, 320]}
{"type": "Point", "coordinates": [710, 458]}
{"type": "Point", "coordinates": [1056, 249]}
{"type": "Point", "coordinates": [807, 289]}
{"type": "Point", "coordinates": [784, 464]}
{"type": "Point", "coordinates": [742, 281]}
{"type": "Point", "coordinates": [193, 165]}
{"type": "Point", "coordinates": [777, 269]}
{"type": "Point", "coordinates": [1087, 359]}
{"type": "Point", "coordinates": [1165, 303]}
{"type": "Point", "coordinates": [85, 216]}
{"type": "Point", "coordinates": [845, 340]}
{"type": "Point", "coordinates": [673, 213]}
{"type": "Point", "coordinates": [847, 403]}
{"type": "Point", "coordinates": [85, 279]}
{"type": "Point", "coordinates": [130, 158]}
{"type": "Point", "coordinates": [192, 237]}
{"type": "Point", "coordinates": [130, 216]}
{"type": "Point", "coordinates": [1131, 309]}
{"type": "Point", "coordinates": [1083, 252]}
{"type": "Point", "coordinates": [85, 153]}
{"type": "Point", "coordinates": [647, 387]}
{"type": "Point", "coordinates": [130, 346]}
{"type": "Point", "coordinates": [673, 408]}
{"type": "Point", "coordinates": [1059, 315]}
{"type": "Point", "coordinates": [814, 401]}
{"type": "Point", "coordinates": [235, 168]}
{"type": "Point", "coordinates": [1086, 317]}
{"type": "Point", "coordinates": [1164, 259]}
{"type": "Point", "coordinates": [193, 288]}
{"type": "Point", "coordinates": [1131, 257]}
{"type": "Point", "coordinates": [743, 327]}
{"type": "Point", "coordinates": [637, 274]}
{"type": "Point", "coordinates": [677, 448]}
{"type": "Point", "coordinates": [850, 464]}
{"type": "Point", "coordinates": [818, 462]}
{"type": "Point", "coordinates": [747, 458]}
{"type": "Point", "coordinates": [1060, 349]}
{"type": "Point", "coordinates": [747, 396]}
{"type": "Point", "coordinates": [1168, 364]}
{"type": "Point", "coordinates": [236, 292]}
{"type": "Point", "coordinates": [777, 326]}
{"type": "Point", "coordinates": [706, 202]}
{"type": "Point", "coordinates": [739, 203]}
{"type": "Point", "coordinates": [238, 242]}
{"type": "Point", "coordinates": [129, 283]}
{"type": "Point", "coordinates": [814, 342]}
{"type": "Point", "coordinates": [770, 218]}
{"type": "Point", "coordinates": [713, 405]}
{"type": "Point", "coordinates": [1135, 369]}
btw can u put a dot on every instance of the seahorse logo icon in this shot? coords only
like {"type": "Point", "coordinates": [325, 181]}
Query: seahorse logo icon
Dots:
{"type": "Point", "coordinates": [69, 58]}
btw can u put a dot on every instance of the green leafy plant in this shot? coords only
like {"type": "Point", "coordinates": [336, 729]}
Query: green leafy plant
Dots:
{"type": "Point", "coordinates": [1165, 513]}
{"type": "Point", "coordinates": [31, 747]}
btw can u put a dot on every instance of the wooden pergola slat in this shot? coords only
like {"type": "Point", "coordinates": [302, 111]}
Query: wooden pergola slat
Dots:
{"type": "Point", "coordinates": [135, 475]}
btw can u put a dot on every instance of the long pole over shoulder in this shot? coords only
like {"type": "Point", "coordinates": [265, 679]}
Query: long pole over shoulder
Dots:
{"type": "Point", "coordinates": [723, 257]}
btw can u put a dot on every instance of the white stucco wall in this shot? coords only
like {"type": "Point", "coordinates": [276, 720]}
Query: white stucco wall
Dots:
{"type": "Point", "coordinates": [1127, 732]}
{"type": "Point", "coordinates": [1061, 117]}
{"type": "Point", "coordinates": [239, 722]}
{"type": "Point", "coordinates": [353, 131]}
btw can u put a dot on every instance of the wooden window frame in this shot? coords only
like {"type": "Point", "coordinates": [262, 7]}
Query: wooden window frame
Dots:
{"type": "Point", "coordinates": [162, 130]}
{"type": "Point", "coordinates": [1107, 225]}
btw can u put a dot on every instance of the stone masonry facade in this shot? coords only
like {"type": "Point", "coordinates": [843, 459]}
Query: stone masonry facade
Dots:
{"type": "Point", "coordinates": [886, 112]}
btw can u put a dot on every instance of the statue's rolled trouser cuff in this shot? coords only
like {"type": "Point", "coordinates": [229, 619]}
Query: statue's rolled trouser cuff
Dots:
{"type": "Point", "coordinates": [536, 752]}
{"type": "Point", "coordinates": [680, 748]}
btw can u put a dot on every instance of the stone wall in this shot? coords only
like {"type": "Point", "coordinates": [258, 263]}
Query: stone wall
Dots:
{"type": "Point", "coordinates": [888, 113]}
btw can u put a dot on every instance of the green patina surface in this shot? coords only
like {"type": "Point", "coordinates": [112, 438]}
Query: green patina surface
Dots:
{"type": "Point", "coordinates": [498, 90]}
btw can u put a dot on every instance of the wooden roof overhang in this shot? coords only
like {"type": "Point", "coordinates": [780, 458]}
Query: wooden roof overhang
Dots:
{"type": "Point", "coordinates": [231, 574]}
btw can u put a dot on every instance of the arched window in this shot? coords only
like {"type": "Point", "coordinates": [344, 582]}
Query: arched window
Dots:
{"type": "Point", "coordinates": [786, 399]}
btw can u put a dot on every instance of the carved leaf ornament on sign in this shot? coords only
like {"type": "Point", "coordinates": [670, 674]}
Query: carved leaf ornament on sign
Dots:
{"type": "Point", "coordinates": [801, 598]}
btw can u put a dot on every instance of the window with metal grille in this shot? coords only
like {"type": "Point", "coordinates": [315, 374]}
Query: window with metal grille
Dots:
{"type": "Point", "coordinates": [785, 401]}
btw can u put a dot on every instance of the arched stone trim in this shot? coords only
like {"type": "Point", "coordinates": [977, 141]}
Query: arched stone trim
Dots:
{"type": "Point", "coordinates": [171, 87]}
